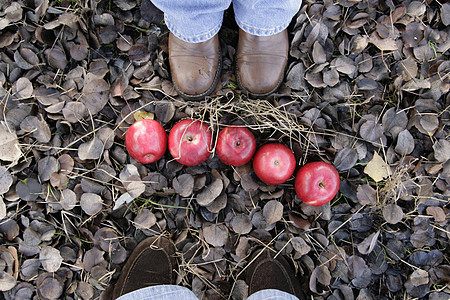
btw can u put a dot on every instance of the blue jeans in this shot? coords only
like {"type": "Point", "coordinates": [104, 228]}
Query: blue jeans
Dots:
{"type": "Point", "coordinates": [175, 292]}
{"type": "Point", "coordinates": [196, 21]}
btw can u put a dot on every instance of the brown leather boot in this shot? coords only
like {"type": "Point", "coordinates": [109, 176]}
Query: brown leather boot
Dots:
{"type": "Point", "coordinates": [195, 67]}
{"type": "Point", "coordinates": [261, 62]}
{"type": "Point", "coordinates": [151, 263]}
{"type": "Point", "coordinates": [265, 272]}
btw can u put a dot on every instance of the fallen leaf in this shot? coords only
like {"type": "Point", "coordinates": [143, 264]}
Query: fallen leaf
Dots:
{"type": "Point", "coordinates": [39, 128]}
{"type": "Point", "coordinates": [84, 290]}
{"type": "Point", "coordinates": [50, 259]}
{"type": "Point", "coordinates": [318, 53]}
{"type": "Point", "coordinates": [46, 167]}
{"type": "Point", "coordinates": [437, 213]}
{"type": "Point", "coordinates": [377, 169]}
{"type": "Point", "coordinates": [145, 219]}
{"type": "Point", "coordinates": [135, 188]}
{"type": "Point", "coordinates": [29, 189]}
{"type": "Point", "coordinates": [445, 14]}
{"type": "Point", "coordinates": [142, 114]}
{"type": "Point", "coordinates": [49, 288]}
{"type": "Point", "coordinates": [366, 194]}
{"type": "Point", "coordinates": [392, 213]}
{"type": "Point", "coordinates": [394, 121]}
{"type": "Point", "coordinates": [241, 224]}
{"type": "Point", "coordinates": [370, 130]}
{"type": "Point", "coordinates": [405, 143]}
{"type": "Point", "coordinates": [68, 199]}
{"type": "Point", "coordinates": [91, 203]}
{"type": "Point", "coordinates": [7, 281]}
{"type": "Point", "coordinates": [24, 87]}
{"type": "Point", "coordinates": [184, 185]}
{"type": "Point", "coordinates": [345, 159]}
{"type": "Point", "coordinates": [344, 64]}
{"type": "Point", "coordinates": [9, 145]}
{"type": "Point", "coordinates": [273, 211]}
{"type": "Point", "coordinates": [95, 93]}
{"type": "Point", "coordinates": [300, 246]}
{"type": "Point", "coordinates": [91, 150]}
{"type": "Point", "coordinates": [2, 209]}
{"type": "Point", "coordinates": [442, 150]}
{"type": "Point", "coordinates": [74, 112]}
{"type": "Point", "coordinates": [369, 243]}
{"type": "Point", "coordinates": [215, 235]}
{"type": "Point", "coordinates": [6, 180]}
{"type": "Point", "coordinates": [210, 192]}
{"type": "Point", "coordinates": [387, 44]}
{"type": "Point", "coordinates": [419, 277]}
{"type": "Point", "coordinates": [295, 78]}
{"type": "Point", "coordinates": [125, 198]}
{"type": "Point", "coordinates": [416, 9]}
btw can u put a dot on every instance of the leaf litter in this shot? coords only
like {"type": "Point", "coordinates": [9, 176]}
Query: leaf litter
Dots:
{"type": "Point", "coordinates": [366, 89]}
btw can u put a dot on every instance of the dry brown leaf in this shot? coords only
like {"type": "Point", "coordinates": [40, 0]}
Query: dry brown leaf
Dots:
{"type": "Point", "coordinates": [387, 44]}
{"type": "Point", "coordinates": [392, 213]}
{"type": "Point", "coordinates": [215, 235]}
{"type": "Point", "coordinates": [273, 211]}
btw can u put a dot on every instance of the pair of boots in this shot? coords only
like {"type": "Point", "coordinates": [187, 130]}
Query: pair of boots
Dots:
{"type": "Point", "coordinates": [260, 64]}
{"type": "Point", "coordinates": [153, 263]}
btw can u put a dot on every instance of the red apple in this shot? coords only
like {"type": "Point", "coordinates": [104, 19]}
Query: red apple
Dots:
{"type": "Point", "coordinates": [317, 183]}
{"type": "Point", "coordinates": [274, 163]}
{"type": "Point", "coordinates": [190, 142]}
{"type": "Point", "coordinates": [146, 141]}
{"type": "Point", "coordinates": [235, 146]}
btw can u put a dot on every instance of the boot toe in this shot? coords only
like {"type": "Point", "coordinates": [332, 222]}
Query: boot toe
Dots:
{"type": "Point", "coordinates": [260, 77]}
{"type": "Point", "coordinates": [194, 80]}
{"type": "Point", "coordinates": [151, 263]}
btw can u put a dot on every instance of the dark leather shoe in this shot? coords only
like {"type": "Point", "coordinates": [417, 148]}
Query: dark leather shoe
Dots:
{"type": "Point", "coordinates": [265, 272]}
{"type": "Point", "coordinates": [195, 67]}
{"type": "Point", "coordinates": [151, 263]}
{"type": "Point", "coordinates": [261, 62]}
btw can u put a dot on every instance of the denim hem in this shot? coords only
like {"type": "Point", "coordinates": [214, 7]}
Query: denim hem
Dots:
{"type": "Point", "coordinates": [260, 31]}
{"type": "Point", "coordinates": [192, 39]}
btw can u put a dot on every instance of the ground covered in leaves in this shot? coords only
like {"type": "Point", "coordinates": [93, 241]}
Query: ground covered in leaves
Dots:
{"type": "Point", "coordinates": [366, 90]}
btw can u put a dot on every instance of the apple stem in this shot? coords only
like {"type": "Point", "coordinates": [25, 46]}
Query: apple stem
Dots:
{"type": "Point", "coordinates": [321, 185]}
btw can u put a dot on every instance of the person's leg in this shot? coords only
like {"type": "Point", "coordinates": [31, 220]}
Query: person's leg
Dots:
{"type": "Point", "coordinates": [160, 292]}
{"type": "Point", "coordinates": [194, 49]}
{"type": "Point", "coordinates": [263, 45]}
{"type": "Point", "coordinates": [271, 294]}
{"type": "Point", "coordinates": [193, 21]}
{"type": "Point", "coordinates": [265, 17]}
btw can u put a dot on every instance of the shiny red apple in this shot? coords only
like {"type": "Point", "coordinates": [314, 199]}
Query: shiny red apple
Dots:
{"type": "Point", "coordinates": [146, 141]}
{"type": "Point", "coordinates": [274, 163]}
{"type": "Point", "coordinates": [317, 183]}
{"type": "Point", "coordinates": [190, 142]}
{"type": "Point", "coordinates": [235, 146]}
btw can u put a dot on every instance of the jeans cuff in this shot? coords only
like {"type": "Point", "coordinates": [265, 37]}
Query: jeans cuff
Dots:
{"type": "Point", "coordinates": [259, 31]}
{"type": "Point", "coordinates": [192, 39]}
